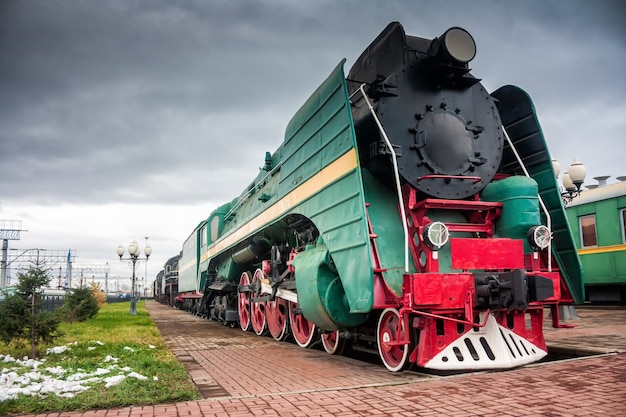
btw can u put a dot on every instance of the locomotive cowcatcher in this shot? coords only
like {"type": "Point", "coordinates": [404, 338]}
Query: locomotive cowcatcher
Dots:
{"type": "Point", "coordinates": [408, 212]}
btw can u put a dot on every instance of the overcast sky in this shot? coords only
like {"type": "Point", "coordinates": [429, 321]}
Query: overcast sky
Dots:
{"type": "Point", "coordinates": [126, 119]}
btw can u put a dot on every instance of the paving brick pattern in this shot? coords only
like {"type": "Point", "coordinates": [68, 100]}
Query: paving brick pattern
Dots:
{"type": "Point", "coordinates": [600, 329]}
{"type": "Point", "coordinates": [240, 374]}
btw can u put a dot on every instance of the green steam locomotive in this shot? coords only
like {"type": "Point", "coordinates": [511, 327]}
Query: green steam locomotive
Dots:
{"type": "Point", "coordinates": [408, 213]}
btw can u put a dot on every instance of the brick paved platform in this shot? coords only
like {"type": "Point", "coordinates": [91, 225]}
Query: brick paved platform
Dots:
{"type": "Point", "coordinates": [600, 329]}
{"type": "Point", "coordinates": [240, 374]}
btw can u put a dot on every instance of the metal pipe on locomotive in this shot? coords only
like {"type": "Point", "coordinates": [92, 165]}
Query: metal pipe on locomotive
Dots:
{"type": "Point", "coordinates": [408, 212]}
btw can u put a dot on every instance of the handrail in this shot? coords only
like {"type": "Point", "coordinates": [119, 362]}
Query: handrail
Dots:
{"type": "Point", "coordinates": [252, 189]}
{"type": "Point", "coordinates": [543, 206]}
{"type": "Point", "coordinates": [396, 175]}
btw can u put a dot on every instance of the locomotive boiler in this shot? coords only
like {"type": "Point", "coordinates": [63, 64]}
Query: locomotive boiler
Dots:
{"type": "Point", "coordinates": [408, 212]}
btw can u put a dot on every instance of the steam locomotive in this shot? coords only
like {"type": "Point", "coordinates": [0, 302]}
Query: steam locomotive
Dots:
{"type": "Point", "coordinates": [408, 213]}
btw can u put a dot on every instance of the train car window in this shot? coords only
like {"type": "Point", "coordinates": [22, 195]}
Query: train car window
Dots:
{"type": "Point", "coordinates": [623, 219]}
{"type": "Point", "coordinates": [215, 222]}
{"type": "Point", "coordinates": [588, 230]}
{"type": "Point", "coordinates": [203, 236]}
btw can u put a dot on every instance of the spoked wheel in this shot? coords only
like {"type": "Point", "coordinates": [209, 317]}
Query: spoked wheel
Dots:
{"type": "Point", "coordinates": [243, 302]}
{"type": "Point", "coordinates": [333, 343]}
{"type": "Point", "coordinates": [257, 309]}
{"type": "Point", "coordinates": [303, 330]}
{"type": "Point", "coordinates": [277, 322]}
{"type": "Point", "coordinates": [390, 328]}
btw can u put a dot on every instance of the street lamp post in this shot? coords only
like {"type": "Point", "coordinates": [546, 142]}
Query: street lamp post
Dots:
{"type": "Point", "coordinates": [145, 277]}
{"type": "Point", "coordinates": [572, 179]}
{"type": "Point", "coordinates": [134, 253]}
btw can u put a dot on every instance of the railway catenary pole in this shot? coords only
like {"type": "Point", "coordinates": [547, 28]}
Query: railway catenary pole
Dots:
{"type": "Point", "coordinates": [36, 256]}
{"type": "Point", "coordinates": [9, 230]}
{"type": "Point", "coordinates": [3, 265]}
{"type": "Point", "coordinates": [90, 269]}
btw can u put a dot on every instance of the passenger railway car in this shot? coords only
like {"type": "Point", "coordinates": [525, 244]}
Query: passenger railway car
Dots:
{"type": "Point", "coordinates": [166, 283]}
{"type": "Point", "coordinates": [598, 220]}
{"type": "Point", "coordinates": [157, 287]}
{"type": "Point", "coordinates": [408, 212]}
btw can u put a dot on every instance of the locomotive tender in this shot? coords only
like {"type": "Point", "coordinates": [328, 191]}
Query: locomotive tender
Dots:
{"type": "Point", "coordinates": [408, 212]}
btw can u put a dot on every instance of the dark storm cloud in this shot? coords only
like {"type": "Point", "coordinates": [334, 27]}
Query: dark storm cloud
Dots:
{"type": "Point", "coordinates": [123, 119]}
{"type": "Point", "coordinates": [95, 93]}
{"type": "Point", "coordinates": [149, 100]}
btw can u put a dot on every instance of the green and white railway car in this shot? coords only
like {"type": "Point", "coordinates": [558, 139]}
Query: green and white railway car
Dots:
{"type": "Point", "coordinates": [190, 280]}
{"type": "Point", "coordinates": [598, 220]}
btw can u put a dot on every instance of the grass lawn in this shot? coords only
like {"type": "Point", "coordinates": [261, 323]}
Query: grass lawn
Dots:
{"type": "Point", "coordinates": [115, 340]}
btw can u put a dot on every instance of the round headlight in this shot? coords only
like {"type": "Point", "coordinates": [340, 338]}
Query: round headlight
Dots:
{"type": "Point", "coordinates": [436, 235]}
{"type": "Point", "coordinates": [539, 237]}
{"type": "Point", "coordinates": [459, 44]}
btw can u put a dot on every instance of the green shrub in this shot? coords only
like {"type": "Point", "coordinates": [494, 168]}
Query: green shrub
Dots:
{"type": "Point", "coordinates": [14, 313]}
{"type": "Point", "coordinates": [81, 305]}
{"type": "Point", "coordinates": [21, 317]}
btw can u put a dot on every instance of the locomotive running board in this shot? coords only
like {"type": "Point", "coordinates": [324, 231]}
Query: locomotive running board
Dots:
{"type": "Point", "coordinates": [490, 347]}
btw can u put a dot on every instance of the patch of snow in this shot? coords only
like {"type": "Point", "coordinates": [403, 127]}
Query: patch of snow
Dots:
{"type": "Point", "coordinates": [138, 376]}
{"type": "Point", "coordinates": [28, 377]}
{"type": "Point", "coordinates": [57, 350]}
{"type": "Point", "coordinates": [113, 380]}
